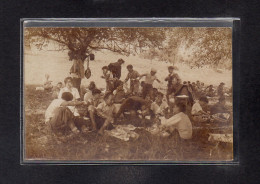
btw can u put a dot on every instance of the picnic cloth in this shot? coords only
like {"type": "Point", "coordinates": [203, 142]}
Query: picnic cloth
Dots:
{"type": "Point", "coordinates": [123, 132]}
{"type": "Point", "coordinates": [155, 130]}
{"type": "Point", "coordinates": [224, 116]}
{"type": "Point", "coordinates": [227, 138]}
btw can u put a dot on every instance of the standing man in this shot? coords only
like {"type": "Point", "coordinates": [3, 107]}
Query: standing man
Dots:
{"type": "Point", "coordinates": [107, 75]}
{"type": "Point", "coordinates": [173, 80]}
{"type": "Point", "coordinates": [115, 68]}
{"type": "Point", "coordinates": [149, 79]}
{"type": "Point", "coordinates": [134, 82]}
{"type": "Point", "coordinates": [77, 72]}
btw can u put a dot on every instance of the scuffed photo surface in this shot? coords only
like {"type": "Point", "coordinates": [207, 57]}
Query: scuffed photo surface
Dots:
{"type": "Point", "coordinates": [150, 94]}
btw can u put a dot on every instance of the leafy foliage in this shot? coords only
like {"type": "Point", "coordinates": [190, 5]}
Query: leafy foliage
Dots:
{"type": "Point", "coordinates": [82, 41]}
{"type": "Point", "coordinates": [197, 47]}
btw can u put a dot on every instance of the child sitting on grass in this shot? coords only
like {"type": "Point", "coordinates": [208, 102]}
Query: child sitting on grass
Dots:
{"type": "Point", "coordinates": [180, 122]}
{"type": "Point", "coordinates": [105, 113]}
{"type": "Point", "coordinates": [88, 95]}
{"type": "Point", "coordinates": [159, 107]}
{"type": "Point", "coordinates": [47, 83]}
{"type": "Point", "coordinates": [92, 102]}
{"type": "Point", "coordinates": [119, 93]}
{"type": "Point", "coordinates": [56, 90]}
{"type": "Point", "coordinates": [198, 114]}
{"type": "Point", "coordinates": [60, 118]}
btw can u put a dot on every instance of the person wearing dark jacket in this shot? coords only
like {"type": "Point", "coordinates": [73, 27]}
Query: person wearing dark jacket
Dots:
{"type": "Point", "coordinates": [115, 68]}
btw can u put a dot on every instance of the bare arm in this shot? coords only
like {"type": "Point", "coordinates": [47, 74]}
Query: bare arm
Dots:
{"type": "Point", "coordinates": [127, 77]}
{"type": "Point", "coordinates": [103, 115]}
{"type": "Point", "coordinates": [171, 121]}
{"type": "Point", "coordinates": [71, 103]}
{"type": "Point", "coordinates": [142, 76]}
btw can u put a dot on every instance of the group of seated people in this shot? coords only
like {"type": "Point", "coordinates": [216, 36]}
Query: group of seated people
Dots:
{"type": "Point", "coordinates": [199, 89]}
{"type": "Point", "coordinates": [104, 109]}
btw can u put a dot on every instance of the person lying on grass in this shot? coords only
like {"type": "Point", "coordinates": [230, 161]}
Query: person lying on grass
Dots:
{"type": "Point", "coordinates": [133, 104]}
{"type": "Point", "coordinates": [47, 83]}
{"type": "Point", "coordinates": [105, 113]}
{"type": "Point", "coordinates": [159, 107]}
{"type": "Point", "coordinates": [198, 111]}
{"type": "Point", "coordinates": [59, 117]}
{"type": "Point", "coordinates": [92, 101]}
{"type": "Point", "coordinates": [179, 121]}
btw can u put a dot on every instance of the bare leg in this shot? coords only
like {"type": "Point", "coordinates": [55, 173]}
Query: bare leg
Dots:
{"type": "Point", "coordinates": [73, 127]}
{"type": "Point", "coordinates": [93, 122]}
{"type": "Point", "coordinates": [101, 130]}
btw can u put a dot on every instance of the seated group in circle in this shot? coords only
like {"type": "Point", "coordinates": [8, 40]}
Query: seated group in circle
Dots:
{"type": "Point", "coordinates": [141, 100]}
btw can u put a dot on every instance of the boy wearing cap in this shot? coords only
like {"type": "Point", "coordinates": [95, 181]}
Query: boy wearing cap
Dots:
{"type": "Point", "coordinates": [149, 79]}
{"type": "Point", "coordinates": [134, 82]}
{"type": "Point", "coordinates": [59, 116]}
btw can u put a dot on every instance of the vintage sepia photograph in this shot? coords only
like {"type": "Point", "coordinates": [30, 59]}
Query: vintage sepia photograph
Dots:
{"type": "Point", "coordinates": [127, 94]}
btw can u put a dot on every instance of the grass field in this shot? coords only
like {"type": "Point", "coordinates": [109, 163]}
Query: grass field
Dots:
{"type": "Point", "coordinates": [40, 144]}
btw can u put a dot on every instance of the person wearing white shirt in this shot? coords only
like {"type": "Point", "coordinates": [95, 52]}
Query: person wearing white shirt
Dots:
{"type": "Point", "coordinates": [159, 107]}
{"type": "Point", "coordinates": [92, 102]}
{"type": "Point", "coordinates": [60, 118]}
{"type": "Point", "coordinates": [180, 122]}
{"type": "Point", "coordinates": [149, 79]}
{"type": "Point", "coordinates": [197, 112]}
{"type": "Point", "coordinates": [69, 88]}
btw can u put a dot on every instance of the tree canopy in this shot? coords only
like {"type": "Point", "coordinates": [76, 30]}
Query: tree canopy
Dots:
{"type": "Point", "coordinates": [80, 42]}
{"type": "Point", "coordinates": [197, 47]}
